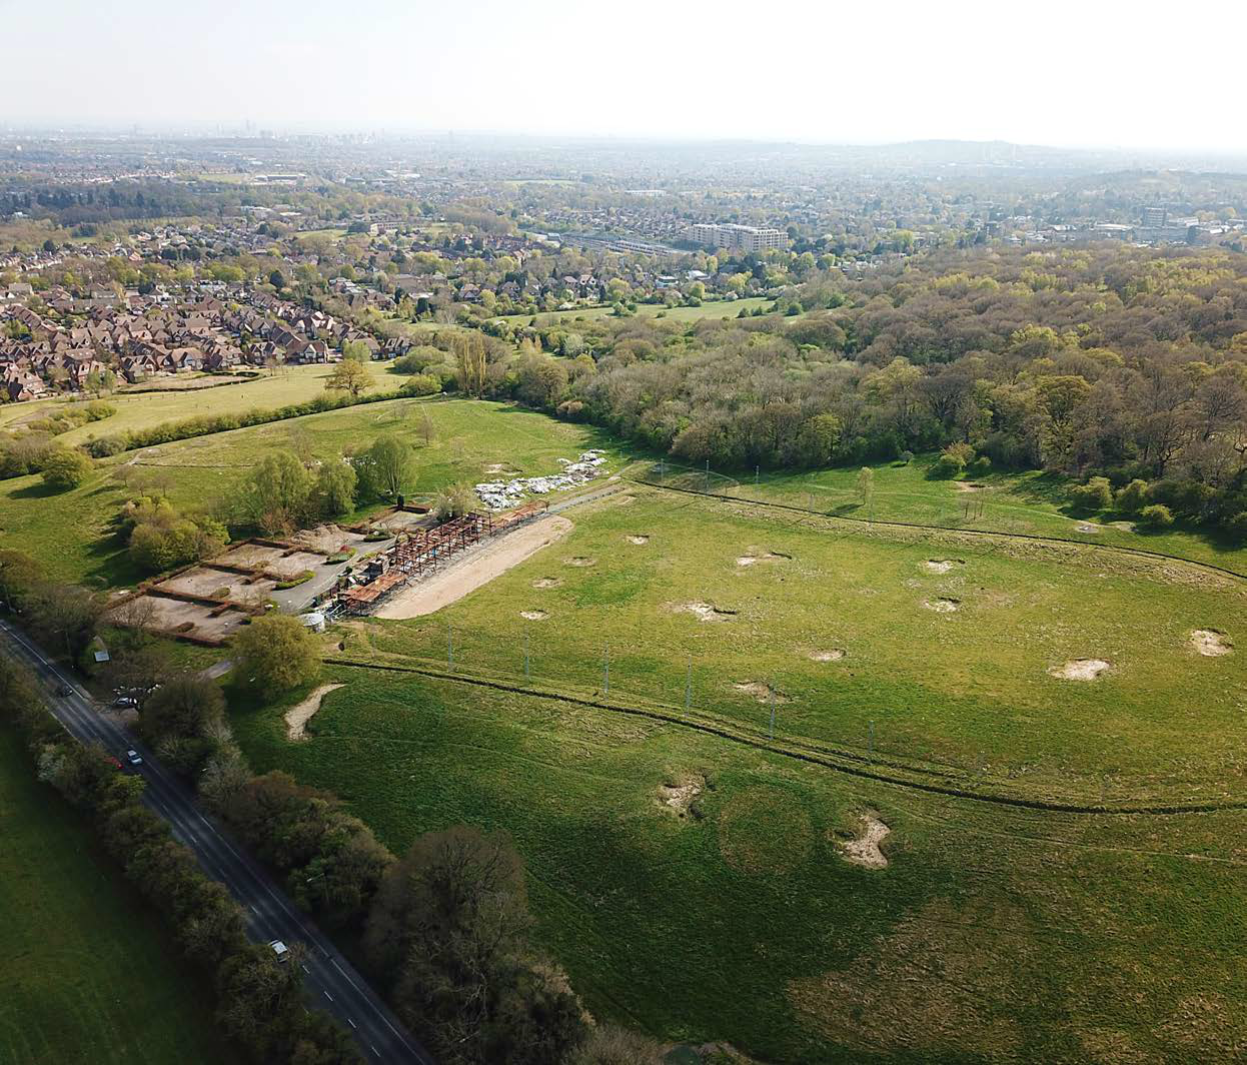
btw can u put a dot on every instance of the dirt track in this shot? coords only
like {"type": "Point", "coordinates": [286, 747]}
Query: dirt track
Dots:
{"type": "Point", "coordinates": [476, 569]}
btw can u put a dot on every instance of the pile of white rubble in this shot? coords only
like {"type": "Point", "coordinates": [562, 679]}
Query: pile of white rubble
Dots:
{"type": "Point", "coordinates": [499, 495]}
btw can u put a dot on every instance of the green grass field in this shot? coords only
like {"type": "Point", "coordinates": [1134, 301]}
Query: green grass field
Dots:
{"type": "Point", "coordinates": [87, 973]}
{"type": "Point", "coordinates": [968, 689]}
{"type": "Point", "coordinates": [993, 935]}
{"type": "Point", "coordinates": [73, 533]}
{"type": "Point", "coordinates": [142, 410]}
{"type": "Point", "coordinates": [712, 309]}
{"type": "Point", "coordinates": [1033, 502]}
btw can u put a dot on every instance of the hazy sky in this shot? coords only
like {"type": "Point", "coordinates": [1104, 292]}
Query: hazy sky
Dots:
{"type": "Point", "coordinates": [1093, 72]}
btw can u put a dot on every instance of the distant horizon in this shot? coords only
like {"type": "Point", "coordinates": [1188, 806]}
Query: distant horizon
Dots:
{"type": "Point", "coordinates": [269, 129]}
{"type": "Point", "coordinates": [1078, 76]}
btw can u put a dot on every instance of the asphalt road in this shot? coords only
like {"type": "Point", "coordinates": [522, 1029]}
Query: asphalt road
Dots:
{"type": "Point", "coordinates": [329, 978]}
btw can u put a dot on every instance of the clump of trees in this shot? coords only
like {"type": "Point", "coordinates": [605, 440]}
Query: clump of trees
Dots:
{"type": "Point", "coordinates": [448, 934]}
{"type": "Point", "coordinates": [276, 653]}
{"type": "Point", "coordinates": [65, 467]}
{"type": "Point", "coordinates": [162, 539]}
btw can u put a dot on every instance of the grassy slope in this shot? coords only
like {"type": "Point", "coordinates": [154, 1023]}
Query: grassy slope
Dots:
{"type": "Point", "coordinates": [993, 935]}
{"type": "Point", "coordinates": [1031, 502]}
{"type": "Point", "coordinates": [969, 689]}
{"type": "Point", "coordinates": [86, 973]}
{"type": "Point", "coordinates": [142, 410]}
{"type": "Point", "coordinates": [713, 309]}
{"type": "Point", "coordinates": [71, 531]}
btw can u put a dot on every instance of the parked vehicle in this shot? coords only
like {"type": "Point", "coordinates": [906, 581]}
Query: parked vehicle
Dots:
{"type": "Point", "coordinates": [133, 757]}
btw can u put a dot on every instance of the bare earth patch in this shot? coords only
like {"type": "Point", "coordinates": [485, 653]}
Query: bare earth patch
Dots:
{"type": "Point", "coordinates": [942, 605]}
{"type": "Point", "coordinates": [637, 539]}
{"type": "Point", "coordinates": [752, 558]}
{"type": "Point", "coordinates": [298, 716]}
{"type": "Point", "coordinates": [834, 655]}
{"type": "Point", "coordinates": [864, 850]}
{"type": "Point", "coordinates": [704, 611]}
{"type": "Point", "coordinates": [534, 615]}
{"type": "Point", "coordinates": [547, 582]}
{"type": "Point", "coordinates": [1081, 669]}
{"type": "Point", "coordinates": [483, 565]}
{"type": "Point", "coordinates": [580, 562]}
{"type": "Point", "coordinates": [679, 797]}
{"type": "Point", "coordinates": [760, 691]}
{"type": "Point", "coordinates": [1211, 643]}
{"type": "Point", "coordinates": [968, 486]}
{"type": "Point", "coordinates": [942, 565]}
{"type": "Point", "coordinates": [1088, 527]}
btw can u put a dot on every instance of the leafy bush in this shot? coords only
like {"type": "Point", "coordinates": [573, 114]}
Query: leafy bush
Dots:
{"type": "Point", "coordinates": [1096, 494]}
{"type": "Point", "coordinates": [1133, 497]}
{"type": "Point", "coordinates": [422, 384]}
{"type": "Point", "coordinates": [1156, 516]}
{"type": "Point", "coordinates": [66, 468]}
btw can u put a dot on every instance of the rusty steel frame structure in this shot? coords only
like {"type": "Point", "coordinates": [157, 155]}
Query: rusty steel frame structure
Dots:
{"type": "Point", "coordinates": [426, 549]}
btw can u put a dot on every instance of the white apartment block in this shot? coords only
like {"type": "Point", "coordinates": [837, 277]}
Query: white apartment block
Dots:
{"type": "Point", "coordinates": [730, 235]}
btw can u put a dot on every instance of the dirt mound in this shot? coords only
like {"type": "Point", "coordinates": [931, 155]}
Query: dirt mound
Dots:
{"type": "Point", "coordinates": [834, 655]}
{"type": "Point", "coordinates": [760, 691]}
{"type": "Point", "coordinates": [1081, 669]}
{"type": "Point", "coordinates": [547, 582]}
{"type": "Point", "coordinates": [1211, 643]}
{"type": "Point", "coordinates": [679, 797]}
{"type": "Point", "coordinates": [968, 486]}
{"type": "Point", "coordinates": [754, 557]}
{"type": "Point", "coordinates": [298, 716]}
{"type": "Point", "coordinates": [1088, 527]}
{"type": "Point", "coordinates": [704, 611]}
{"type": "Point", "coordinates": [637, 538]}
{"type": "Point", "coordinates": [942, 605]}
{"type": "Point", "coordinates": [864, 849]}
{"type": "Point", "coordinates": [942, 565]}
{"type": "Point", "coordinates": [580, 562]}
{"type": "Point", "coordinates": [534, 615]}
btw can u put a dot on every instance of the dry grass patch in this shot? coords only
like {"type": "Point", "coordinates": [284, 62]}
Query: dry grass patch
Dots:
{"type": "Point", "coordinates": [534, 615]}
{"type": "Point", "coordinates": [580, 562]}
{"type": "Point", "coordinates": [1211, 643]}
{"type": "Point", "coordinates": [637, 538]}
{"type": "Point", "coordinates": [942, 605]}
{"type": "Point", "coordinates": [927, 988]}
{"type": "Point", "coordinates": [547, 582]}
{"type": "Point", "coordinates": [942, 565]}
{"type": "Point", "coordinates": [679, 795]}
{"type": "Point", "coordinates": [764, 693]}
{"type": "Point", "coordinates": [833, 655]}
{"type": "Point", "coordinates": [1081, 669]}
{"type": "Point", "coordinates": [704, 611]}
{"type": "Point", "coordinates": [864, 849]}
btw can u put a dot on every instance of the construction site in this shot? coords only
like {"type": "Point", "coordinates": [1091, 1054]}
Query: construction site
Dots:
{"type": "Point", "coordinates": [317, 573]}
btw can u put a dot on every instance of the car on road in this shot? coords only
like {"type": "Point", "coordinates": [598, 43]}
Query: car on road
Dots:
{"type": "Point", "coordinates": [64, 689]}
{"type": "Point", "coordinates": [133, 757]}
{"type": "Point", "coordinates": [280, 950]}
{"type": "Point", "coordinates": [124, 701]}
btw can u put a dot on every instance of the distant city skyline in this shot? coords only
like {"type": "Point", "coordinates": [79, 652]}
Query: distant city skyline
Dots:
{"type": "Point", "coordinates": [1074, 75]}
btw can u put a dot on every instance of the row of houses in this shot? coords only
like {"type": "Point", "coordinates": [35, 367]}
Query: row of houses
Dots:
{"type": "Point", "coordinates": [156, 340]}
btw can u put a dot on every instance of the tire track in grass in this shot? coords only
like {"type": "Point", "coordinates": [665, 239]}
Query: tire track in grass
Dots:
{"type": "Point", "coordinates": [929, 779]}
